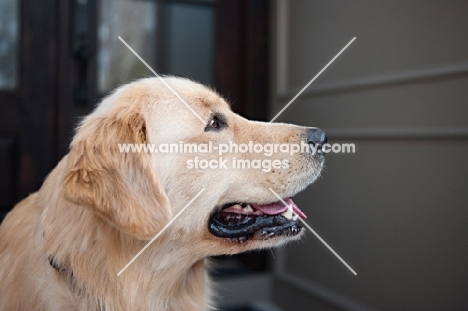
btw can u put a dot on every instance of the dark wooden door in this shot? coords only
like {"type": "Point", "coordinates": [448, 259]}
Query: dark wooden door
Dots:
{"type": "Point", "coordinates": [28, 50]}
{"type": "Point", "coordinates": [66, 57]}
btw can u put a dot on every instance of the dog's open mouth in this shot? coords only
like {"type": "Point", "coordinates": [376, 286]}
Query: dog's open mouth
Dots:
{"type": "Point", "coordinates": [243, 221]}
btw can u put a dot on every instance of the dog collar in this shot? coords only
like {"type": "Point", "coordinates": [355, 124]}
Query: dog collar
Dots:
{"type": "Point", "coordinates": [59, 267]}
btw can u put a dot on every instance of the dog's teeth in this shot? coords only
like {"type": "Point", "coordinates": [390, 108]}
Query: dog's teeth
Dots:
{"type": "Point", "coordinates": [288, 214]}
{"type": "Point", "coordinates": [237, 206]}
{"type": "Point", "coordinates": [249, 208]}
{"type": "Point", "coordinates": [295, 217]}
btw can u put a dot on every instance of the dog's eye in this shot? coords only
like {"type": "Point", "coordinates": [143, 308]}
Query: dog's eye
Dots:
{"type": "Point", "coordinates": [216, 123]}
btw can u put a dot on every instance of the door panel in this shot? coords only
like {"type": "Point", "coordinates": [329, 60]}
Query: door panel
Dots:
{"type": "Point", "coordinates": [27, 84]}
{"type": "Point", "coordinates": [189, 41]}
{"type": "Point", "coordinates": [134, 21]}
{"type": "Point", "coordinates": [9, 38]}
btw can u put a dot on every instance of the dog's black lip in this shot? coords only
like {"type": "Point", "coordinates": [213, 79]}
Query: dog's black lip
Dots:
{"type": "Point", "coordinates": [259, 227]}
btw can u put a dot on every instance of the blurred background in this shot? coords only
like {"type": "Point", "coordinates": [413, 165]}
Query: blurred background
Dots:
{"type": "Point", "coordinates": [396, 210]}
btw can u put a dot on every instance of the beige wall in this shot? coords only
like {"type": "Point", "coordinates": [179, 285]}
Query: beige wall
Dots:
{"type": "Point", "coordinates": [397, 209]}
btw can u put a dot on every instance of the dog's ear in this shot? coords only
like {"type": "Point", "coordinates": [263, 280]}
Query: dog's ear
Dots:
{"type": "Point", "coordinates": [123, 188]}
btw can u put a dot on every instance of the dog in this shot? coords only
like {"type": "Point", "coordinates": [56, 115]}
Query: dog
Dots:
{"type": "Point", "coordinates": [62, 247]}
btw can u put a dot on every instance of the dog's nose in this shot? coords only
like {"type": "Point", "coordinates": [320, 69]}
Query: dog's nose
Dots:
{"type": "Point", "coordinates": [316, 137]}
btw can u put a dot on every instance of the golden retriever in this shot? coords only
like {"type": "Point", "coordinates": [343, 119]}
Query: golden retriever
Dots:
{"type": "Point", "coordinates": [63, 246]}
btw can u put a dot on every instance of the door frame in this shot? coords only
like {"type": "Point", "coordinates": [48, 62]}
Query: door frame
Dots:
{"type": "Point", "coordinates": [28, 120]}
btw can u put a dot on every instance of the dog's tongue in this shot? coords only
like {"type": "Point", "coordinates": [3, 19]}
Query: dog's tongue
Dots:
{"type": "Point", "coordinates": [277, 208]}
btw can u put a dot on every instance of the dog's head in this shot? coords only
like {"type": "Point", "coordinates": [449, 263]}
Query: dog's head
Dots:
{"type": "Point", "coordinates": [242, 165]}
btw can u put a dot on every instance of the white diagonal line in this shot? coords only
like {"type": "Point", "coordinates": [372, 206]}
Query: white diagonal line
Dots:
{"type": "Point", "coordinates": [313, 79]}
{"type": "Point", "coordinates": [160, 232]}
{"type": "Point", "coordinates": [313, 231]}
{"type": "Point", "coordinates": [164, 82]}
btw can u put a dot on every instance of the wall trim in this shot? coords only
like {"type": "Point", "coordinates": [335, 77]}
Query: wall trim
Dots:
{"type": "Point", "coordinates": [370, 82]}
{"type": "Point", "coordinates": [399, 133]}
{"type": "Point", "coordinates": [311, 288]}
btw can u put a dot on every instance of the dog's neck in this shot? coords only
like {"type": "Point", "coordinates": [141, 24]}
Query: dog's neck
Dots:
{"type": "Point", "coordinates": [166, 274]}
{"type": "Point", "coordinates": [178, 278]}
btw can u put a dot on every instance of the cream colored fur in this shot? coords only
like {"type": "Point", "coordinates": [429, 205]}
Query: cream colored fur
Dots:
{"type": "Point", "coordinates": [99, 207]}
